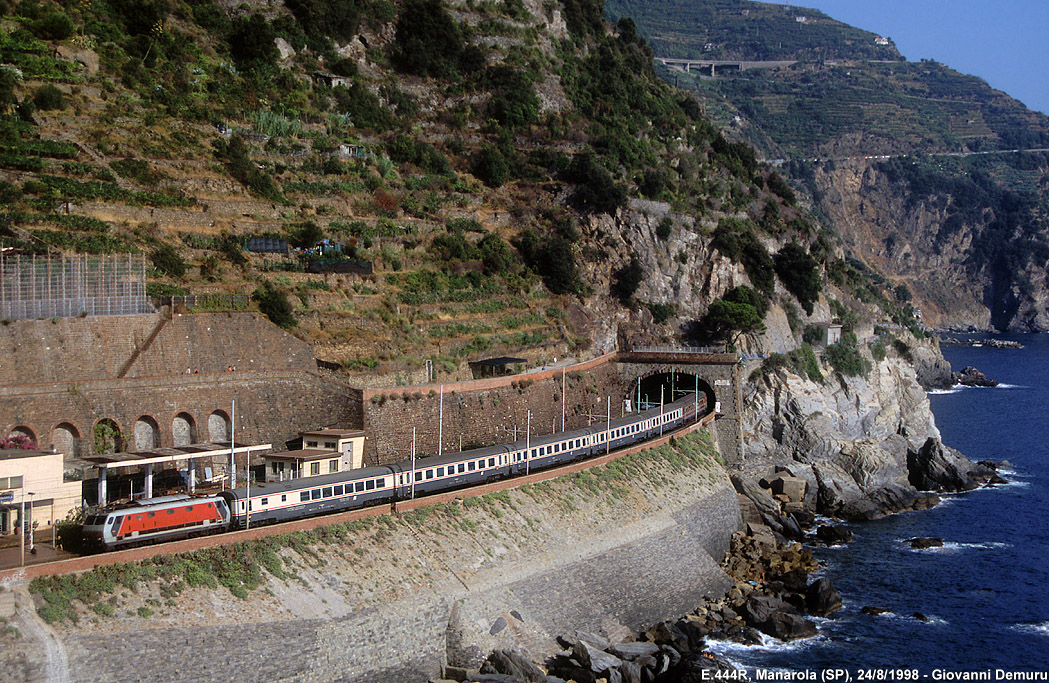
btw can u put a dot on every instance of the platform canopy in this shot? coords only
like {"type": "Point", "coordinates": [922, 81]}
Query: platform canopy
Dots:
{"type": "Point", "coordinates": [194, 451]}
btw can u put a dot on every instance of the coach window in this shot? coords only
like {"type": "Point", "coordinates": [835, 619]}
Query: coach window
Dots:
{"type": "Point", "coordinates": [462, 468]}
{"type": "Point", "coordinates": [333, 466]}
{"type": "Point", "coordinates": [358, 487]}
{"type": "Point", "coordinates": [473, 466]}
{"type": "Point", "coordinates": [304, 496]}
{"type": "Point", "coordinates": [338, 490]}
{"type": "Point", "coordinates": [326, 493]}
{"type": "Point", "coordinates": [491, 462]}
{"type": "Point", "coordinates": [440, 471]}
{"type": "Point", "coordinates": [429, 474]}
{"type": "Point", "coordinates": [369, 485]}
{"type": "Point", "coordinates": [265, 501]}
{"type": "Point", "coordinates": [315, 468]}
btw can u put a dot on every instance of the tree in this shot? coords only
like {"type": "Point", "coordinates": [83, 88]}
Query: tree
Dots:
{"type": "Point", "coordinates": [730, 319]}
{"type": "Point", "coordinates": [626, 280]}
{"type": "Point", "coordinates": [428, 41]}
{"type": "Point", "coordinates": [274, 304]}
{"type": "Point", "coordinates": [252, 43]}
{"type": "Point", "coordinates": [800, 274]}
{"type": "Point", "coordinates": [168, 261]}
{"type": "Point", "coordinates": [490, 166]}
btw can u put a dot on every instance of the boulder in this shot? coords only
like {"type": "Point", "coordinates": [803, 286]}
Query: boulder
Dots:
{"type": "Point", "coordinates": [791, 487]}
{"type": "Point", "coordinates": [783, 626]}
{"type": "Point", "coordinates": [513, 663]}
{"type": "Point", "coordinates": [921, 543]}
{"type": "Point", "coordinates": [833, 535]}
{"type": "Point", "coordinates": [597, 660]}
{"type": "Point", "coordinates": [822, 598]}
{"type": "Point", "coordinates": [631, 672]}
{"type": "Point", "coordinates": [935, 467]}
{"type": "Point", "coordinates": [633, 651]}
{"type": "Point", "coordinates": [874, 611]}
{"type": "Point", "coordinates": [767, 506]}
{"type": "Point", "coordinates": [840, 495]}
{"type": "Point", "coordinates": [759, 609]}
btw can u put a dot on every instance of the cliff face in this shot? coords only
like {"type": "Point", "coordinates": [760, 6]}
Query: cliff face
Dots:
{"type": "Point", "coordinates": [957, 276]}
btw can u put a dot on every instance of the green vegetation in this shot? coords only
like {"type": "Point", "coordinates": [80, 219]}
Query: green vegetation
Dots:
{"type": "Point", "coordinates": [741, 311]}
{"type": "Point", "coordinates": [800, 274]}
{"type": "Point", "coordinates": [845, 357]}
{"type": "Point", "coordinates": [274, 304]}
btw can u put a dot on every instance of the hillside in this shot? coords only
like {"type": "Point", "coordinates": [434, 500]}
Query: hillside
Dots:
{"type": "Point", "coordinates": [913, 163]}
{"type": "Point", "coordinates": [515, 175]}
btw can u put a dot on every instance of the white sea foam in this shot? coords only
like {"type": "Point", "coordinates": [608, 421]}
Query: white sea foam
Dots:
{"type": "Point", "coordinates": [939, 392]}
{"type": "Point", "coordinates": [727, 648]}
{"type": "Point", "coordinates": [1010, 386]}
{"type": "Point", "coordinates": [1041, 629]}
{"type": "Point", "coordinates": [955, 546]}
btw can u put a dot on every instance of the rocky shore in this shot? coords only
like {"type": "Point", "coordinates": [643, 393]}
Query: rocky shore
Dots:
{"type": "Point", "coordinates": [971, 377]}
{"type": "Point", "coordinates": [993, 343]}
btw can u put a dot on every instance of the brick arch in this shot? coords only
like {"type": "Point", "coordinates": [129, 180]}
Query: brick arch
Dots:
{"type": "Point", "coordinates": [23, 431]}
{"type": "Point", "coordinates": [146, 433]}
{"type": "Point", "coordinates": [183, 429]}
{"type": "Point", "coordinates": [66, 438]}
{"type": "Point", "coordinates": [218, 426]}
{"type": "Point", "coordinates": [705, 385]}
{"type": "Point", "coordinates": [107, 436]}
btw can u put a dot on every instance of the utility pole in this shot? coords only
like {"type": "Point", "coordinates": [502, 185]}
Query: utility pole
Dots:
{"type": "Point", "coordinates": [528, 442]}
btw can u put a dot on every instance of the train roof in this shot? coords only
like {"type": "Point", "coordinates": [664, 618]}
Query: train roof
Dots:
{"type": "Point", "coordinates": [276, 487]}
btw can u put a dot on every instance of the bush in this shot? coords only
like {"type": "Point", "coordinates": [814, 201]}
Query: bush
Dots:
{"type": "Point", "coordinates": [626, 280]}
{"type": "Point", "coordinates": [736, 240]}
{"type": "Point", "coordinates": [845, 357]}
{"type": "Point", "coordinates": [49, 97]}
{"type": "Point", "coordinates": [428, 41]}
{"type": "Point", "coordinates": [53, 26]}
{"type": "Point", "coordinates": [168, 261]}
{"type": "Point", "coordinates": [813, 334]}
{"type": "Point", "coordinates": [597, 191]}
{"type": "Point", "coordinates": [274, 304]}
{"type": "Point", "coordinates": [553, 259]}
{"type": "Point", "coordinates": [490, 166]}
{"type": "Point", "coordinates": [664, 228]}
{"type": "Point", "coordinates": [800, 274]}
{"type": "Point", "coordinates": [252, 43]}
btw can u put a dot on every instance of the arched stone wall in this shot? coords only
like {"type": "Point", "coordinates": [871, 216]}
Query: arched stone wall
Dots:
{"type": "Point", "coordinates": [218, 426]}
{"type": "Point", "coordinates": [147, 434]}
{"type": "Point", "coordinates": [107, 437]}
{"type": "Point", "coordinates": [66, 438]}
{"type": "Point", "coordinates": [183, 429]}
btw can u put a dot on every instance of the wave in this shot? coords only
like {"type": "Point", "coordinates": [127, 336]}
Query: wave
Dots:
{"type": "Point", "coordinates": [1041, 629]}
{"type": "Point", "coordinates": [726, 648]}
{"type": "Point", "coordinates": [962, 387]}
{"type": "Point", "coordinates": [940, 392]}
{"type": "Point", "coordinates": [956, 546]}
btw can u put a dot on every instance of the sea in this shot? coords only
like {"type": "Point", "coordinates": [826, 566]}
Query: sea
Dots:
{"type": "Point", "coordinates": [981, 602]}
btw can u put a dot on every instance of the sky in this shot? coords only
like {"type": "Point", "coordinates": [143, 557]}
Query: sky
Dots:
{"type": "Point", "coordinates": [1005, 42]}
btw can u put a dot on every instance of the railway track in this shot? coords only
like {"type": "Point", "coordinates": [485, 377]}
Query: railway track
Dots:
{"type": "Point", "coordinates": [86, 562]}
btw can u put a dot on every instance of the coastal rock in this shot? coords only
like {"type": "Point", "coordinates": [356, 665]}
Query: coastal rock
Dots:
{"type": "Point", "coordinates": [787, 627]}
{"type": "Point", "coordinates": [822, 598]}
{"type": "Point", "coordinates": [935, 467]}
{"type": "Point", "coordinates": [971, 377]}
{"type": "Point", "coordinates": [632, 651]}
{"type": "Point", "coordinates": [922, 543]}
{"type": "Point", "coordinates": [513, 663]}
{"type": "Point", "coordinates": [791, 487]}
{"type": "Point", "coordinates": [840, 496]}
{"type": "Point", "coordinates": [833, 535]}
{"type": "Point", "coordinates": [696, 668]}
{"type": "Point", "coordinates": [874, 611]}
{"type": "Point", "coordinates": [931, 369]}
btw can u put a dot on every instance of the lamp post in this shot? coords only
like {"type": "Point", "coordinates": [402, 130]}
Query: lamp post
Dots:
{"type": "Point", "coordinates": [22, 520]}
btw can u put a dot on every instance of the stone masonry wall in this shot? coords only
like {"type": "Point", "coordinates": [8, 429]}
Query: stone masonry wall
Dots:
{"type": "Point", "coordinates": [272, 406]}
{"type": "Point", "coordinates": [485, 411]}
{"type": "Point", "coordinates": [71, 380]}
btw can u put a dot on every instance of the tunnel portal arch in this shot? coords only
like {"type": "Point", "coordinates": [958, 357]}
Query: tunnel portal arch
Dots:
{"type": "Point", "coordinates": [648, 387]}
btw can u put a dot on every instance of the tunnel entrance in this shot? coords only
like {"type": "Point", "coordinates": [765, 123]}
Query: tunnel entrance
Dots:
{"type": "Point", "coordinates": [667, 387]}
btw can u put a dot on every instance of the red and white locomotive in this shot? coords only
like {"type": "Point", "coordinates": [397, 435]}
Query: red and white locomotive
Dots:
{"type": "Point", "coordinates": [166, 518]}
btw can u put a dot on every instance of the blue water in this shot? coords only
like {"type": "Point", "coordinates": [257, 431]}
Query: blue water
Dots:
{"type": "Point", "coordinates": [986, 592]}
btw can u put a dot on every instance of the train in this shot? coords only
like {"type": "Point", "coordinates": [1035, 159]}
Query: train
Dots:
{"type": "Point", "coordinates": [173, 517]}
